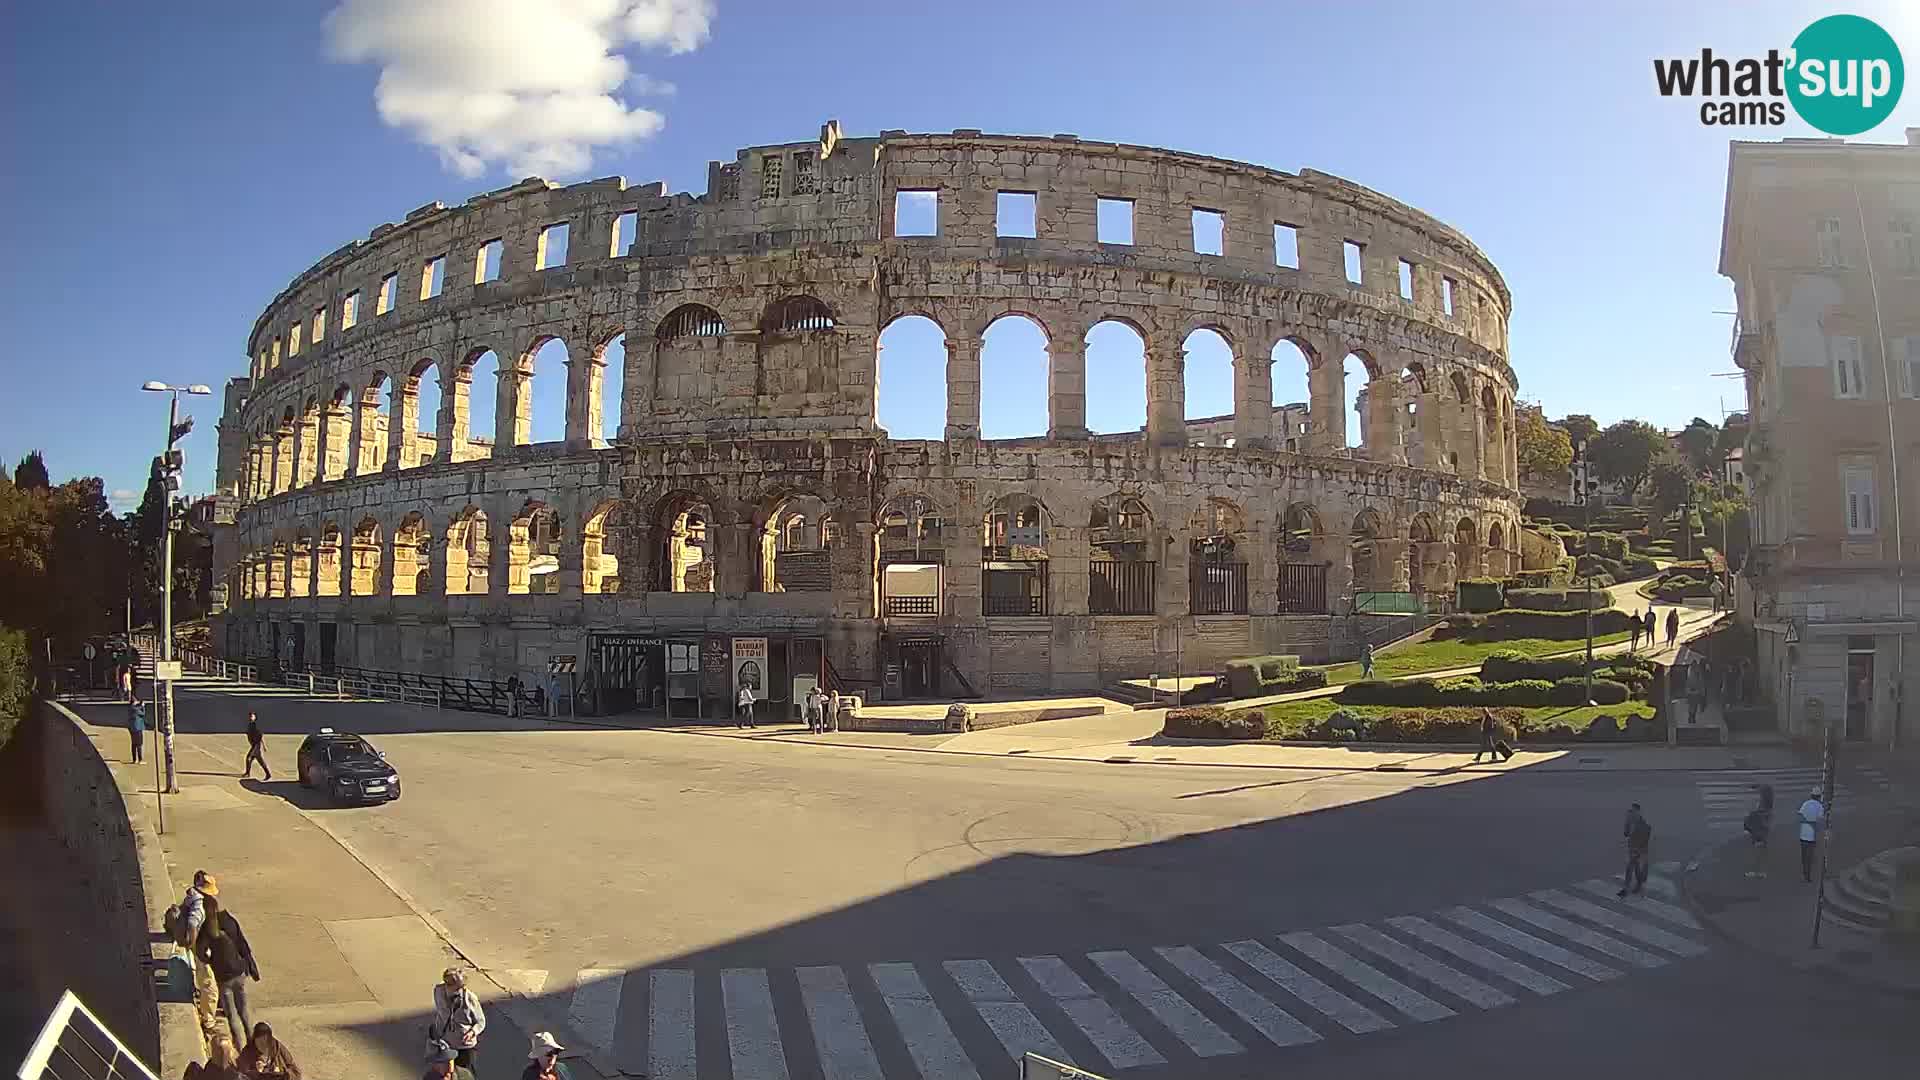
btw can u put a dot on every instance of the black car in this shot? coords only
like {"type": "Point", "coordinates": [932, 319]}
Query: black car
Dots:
{"type": "Point", "coordinates": [346, 767]}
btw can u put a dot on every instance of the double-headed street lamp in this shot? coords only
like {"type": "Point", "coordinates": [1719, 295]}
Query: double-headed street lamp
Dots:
{"type": "Point", "coordinates": [171, 462]}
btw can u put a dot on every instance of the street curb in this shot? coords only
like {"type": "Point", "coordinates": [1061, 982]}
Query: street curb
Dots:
{"type": "Point", "coordinates": [1827, 971]}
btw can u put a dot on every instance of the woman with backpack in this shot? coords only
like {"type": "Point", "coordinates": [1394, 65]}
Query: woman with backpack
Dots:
{"type": "Point", "coordinates": [457, 1017]}
{"type": "Point", "coordinates": [222, 946]}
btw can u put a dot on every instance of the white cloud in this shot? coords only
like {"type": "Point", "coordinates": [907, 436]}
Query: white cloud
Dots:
{"type": "Point", "coordinates": [523, 86]}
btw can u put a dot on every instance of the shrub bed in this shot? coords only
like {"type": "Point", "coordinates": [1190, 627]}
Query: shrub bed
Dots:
{"type": "Point", "coordinates": [1520, 623]}
{"type": "Point", "coordinates": [1214, 722]}
{"type": "Point", "coordinates": [1574, 691]}
{"type": "Point", "coordinates": [1256, 675]}
{"type": "Point", "coordinates": [1460, 690]}
{"type": "Point", "coordinates": [1556, 599]}
{"type": "Point", "coordinates": [1481, 594]}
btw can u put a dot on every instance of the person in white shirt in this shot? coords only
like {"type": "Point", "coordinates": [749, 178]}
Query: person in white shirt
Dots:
{"type": "Point", "coordinates": [743, 705]}
{"type": "Point", "coordinates": [1812, 816]}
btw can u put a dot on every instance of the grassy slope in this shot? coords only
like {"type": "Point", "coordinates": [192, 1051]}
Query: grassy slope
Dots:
{"type": "Point", "coordinates": [1290, 719]}
{"type": "Point", "coordinates": [1455, 653]}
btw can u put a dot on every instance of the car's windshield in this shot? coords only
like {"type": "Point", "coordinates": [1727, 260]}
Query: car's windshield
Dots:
{"type": "Point", "coordinates": [350, 751]}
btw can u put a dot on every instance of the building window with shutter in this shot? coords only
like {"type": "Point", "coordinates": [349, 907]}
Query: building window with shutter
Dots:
{"type": "Point", "coordinates": [1906, 253]}
{"type": "Point", "coordinates": [1861, 519]}
{"type": "Point", "coordinates": [1849, 376]}
{"type": "Point", "coordinates": [1829, 233]}
{"type": "Point", "coordinates": [1906, 356]}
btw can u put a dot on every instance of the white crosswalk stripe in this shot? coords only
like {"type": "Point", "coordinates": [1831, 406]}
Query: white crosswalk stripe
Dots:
{"type": "Point", "coordinates": [1605, 889]}
{"type": "Point", "coordinates": [1174, 1012]}
{"type": "Point", "coordinates": [1617, 920]}
{"type": "Point", "coordinates": [1457, 983]}
{"type": "Point", "coordinates": [1263, 1015]}
{"type": "Point", "coordinates": [1728, 796]}
{"type": "Point", "coordinates": [928, 1036]}
{"type": "Point", "coordinates": [753, 1032]}
{"type": "Point", "coordinates": [845, 1051]}
{"type": "Point", "coordinates": [1096, 1019]}
{"type": "Point", "coordinates": [985, 1028]}
{"type": "Point", "coordinates": [1369, 978]}
{"type": "Point", "coordinates": [1480, 955]}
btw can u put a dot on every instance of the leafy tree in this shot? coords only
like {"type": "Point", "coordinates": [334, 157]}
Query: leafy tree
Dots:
{"type": "Point", "coordinates": [1671, 483]}
{"type": "Point", "coordinates": [16, 680]}
{"type": "Point", "coordinates": [63, 562]}
{"type": "Point", "coordinates": [1625, 453]}
{"type": "Point", "coordinates": [1579, 427]}
{"type": "Point", "coordinates": [1544, 451]}
{"type": "Point", "coordinates": [1732, 434]}
{"type": "Point", "coordinates": [1697, 442]}
{"type": "Point", "coordinates": [31, 473]}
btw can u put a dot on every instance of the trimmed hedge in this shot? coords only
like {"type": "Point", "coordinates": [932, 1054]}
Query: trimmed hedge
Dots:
{"type": "Point", "coordinates": [1481, 594]}
{"type": "Point", "coordinates": [1303, 679]}
{"type": "Point", "coordinates": [1573, 691]}
{"type": "Point", "coordinates": [1460, 690]}
{"type": "Point", "coordinates": [1254, 675]}
{"type": "Point", "coordinates": [1557, 599]}
{"type": "Point", "coordinates": [1462, 725]}
{"type": "Point", "coordinates": [1520, 623]}
{"type": "Point", "coordinates": [1214, 722]}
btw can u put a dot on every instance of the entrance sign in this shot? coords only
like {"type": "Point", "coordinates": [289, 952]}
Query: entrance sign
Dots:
{"type": "Point", "coordinates": [166, 670]}
{"type": "Point", "coordinates": [750, 665]}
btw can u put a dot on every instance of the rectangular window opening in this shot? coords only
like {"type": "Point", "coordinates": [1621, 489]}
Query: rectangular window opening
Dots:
{"type": "Point", "coordinates": [1113, 221]}
{"type": "Point", "coordinates": [486, 262]}
{"type": "Point", "coordinates": [433, 277]}
{"type": "Point", "coordinates": [1446, 295]}
{"type": "Point", "coordinates": [552, 247]}
{"type": "Point", "coordinates": [916, 212]}
{"type": "Point", "coordinates": [350, 310]}
{"type": "Point", "coordinates": [624, 228]}
{"type": "Point", "coordinates": [1906, 253]}
{"type": "Point", "coordinates": [1356, 270]}
{"type": "Point", "coordinates": [388, 295]}
{"type": "Point", "coordinates": [1286, 245]}
{"type": "Point", "coordinates": [1406, 280]}
{"type": "Point", "coordinates": [1860, 508]}
{"type": "Point", "coordinates": [293, 340]}
{"type": "Point", "coordinates": [1829, 236]}
{"type": "Point", "coordinates": [770, 169]}
{"type": "Point", "coordinates": [1015, 214]}
{"type": "Point", "coordinates": [1849, 374]}
{"type": "Point", "coordinates": [319, 325]}
{"type": "Point", "coordinates": [1907, 349]}
{"type": "Point", "coordinates": [1209, 232]}
{"type": "Point", "coordinates": [804, 176]}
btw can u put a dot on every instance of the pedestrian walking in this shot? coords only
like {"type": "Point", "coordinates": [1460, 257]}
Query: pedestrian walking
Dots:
{"type": "Point", "coordinates": [266, 1057]}
{"type": "Point", "coordinates": [458, 1020]}
{"type": "Point", "coordinates": [223, 947]}
{"type": "Point", "coordinates": [1366, 659]}
{"type": "Point", "coordinates": [543, 1059]}
{"type": "Point", "coordinates": [441, 1063]}
{"type": "Point", "coordinates": [830, 716]}
{"type": "Point", "coordinates": [256, 748]}
{"type": "Point", "coordinates": [126, 682]}
{"type": "Point", "coordinates": [1812, 815]}
{"type": "Point", "coordinates": [1652, 626]}
{"type": "Point", "coordinates": [743, 708]}
{"type": "Point", "coordinates": [1673, 626]}
{"type": "Point", "coordinates": [183, 922]}
{"type": "Point", "coordinates": [1696, 689]}
{"type": "Point", "coordinates": [1491, 744]}
{"type": "Point", "coordinates": [1639, 836]}
{"type": "Point", "coordinates": [816, 722]}
{"type": "Point", "coordinates": [1758, 826]}
{"type": "Point", "coordinates": [1633, 640]}
{"type": "Point", "coordinates": [1715, 590]}
{"type": "Point", "coordinates": [137, 728]}
{"type": "Point", "coordinates": [513, 696]}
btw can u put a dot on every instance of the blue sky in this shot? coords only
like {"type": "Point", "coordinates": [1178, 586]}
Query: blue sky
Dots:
{"type": "Point", "coordinates": [172, 167]}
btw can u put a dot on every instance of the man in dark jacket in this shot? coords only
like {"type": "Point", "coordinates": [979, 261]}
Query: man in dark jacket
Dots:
{"type": "Point", "coordinates": [256, 747]}
{"type": "Point", "coordinates": [223, 947]}
{"type": "Point", "coordinates": [1639, 836]}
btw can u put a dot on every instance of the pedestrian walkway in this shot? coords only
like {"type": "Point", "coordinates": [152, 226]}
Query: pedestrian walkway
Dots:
{"type": "Point", "coordinates": [1118, 1009]}
{"type": "Point", "coordinates": [1727, 795]}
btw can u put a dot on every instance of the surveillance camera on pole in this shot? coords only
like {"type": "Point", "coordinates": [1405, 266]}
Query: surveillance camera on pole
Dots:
{"type": "Point", "coordinates": [171, 463]}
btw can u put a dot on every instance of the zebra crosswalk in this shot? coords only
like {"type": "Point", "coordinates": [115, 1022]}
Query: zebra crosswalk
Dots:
{"type": "Point", "coordinates": [1115, 1010]}
{"type": "Point", "coordinates": [1729, 795]}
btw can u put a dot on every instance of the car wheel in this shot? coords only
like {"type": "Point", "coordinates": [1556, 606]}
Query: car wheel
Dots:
{"type": "Point", "coordinates": [314, 779]}
{"type": "Point", "coordinates": [302, 776]}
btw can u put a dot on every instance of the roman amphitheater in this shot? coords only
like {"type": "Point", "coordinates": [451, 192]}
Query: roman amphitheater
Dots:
{"type": "Point", "coordinates": [748, 512]}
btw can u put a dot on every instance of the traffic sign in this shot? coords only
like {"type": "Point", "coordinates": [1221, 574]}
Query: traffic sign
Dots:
{"type": "Point", "coordinates": [90, 652]}
{"type": "Point", "coordinates": [166, 670]}
{"type": "Point", "coordinates": [561, 664]}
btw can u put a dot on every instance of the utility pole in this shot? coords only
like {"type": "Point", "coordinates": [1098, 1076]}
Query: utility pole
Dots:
{"type": "Point", "coordinates": [1583, 490]}
{"type": "Point", "coordinates": [169, 467]}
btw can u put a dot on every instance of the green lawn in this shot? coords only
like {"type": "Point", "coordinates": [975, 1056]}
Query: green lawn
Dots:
{"type": "Point", "coordinates": [1456, 653]}
{"type": "Point", "coordinates": [1290, 719]}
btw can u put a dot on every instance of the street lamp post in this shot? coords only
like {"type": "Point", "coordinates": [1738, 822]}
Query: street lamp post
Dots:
{"type": "Point", "coordinates": [170, 466]}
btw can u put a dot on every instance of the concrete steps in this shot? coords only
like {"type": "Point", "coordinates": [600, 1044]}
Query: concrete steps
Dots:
{"type": "Point", "coordinates": [1859, 899]}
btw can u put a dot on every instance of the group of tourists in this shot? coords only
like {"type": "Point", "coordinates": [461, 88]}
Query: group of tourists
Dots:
{"type": "Point", "coordinates": [1809, 820]}
{"type": "Point", "coordinates": [223, 964]}
{"type": "Point", "coordinates": [821, 710]}
{"type": "Point", "coordinates": [1648, 626]}
{"type": "Point", "coordinates": [453, 1037]}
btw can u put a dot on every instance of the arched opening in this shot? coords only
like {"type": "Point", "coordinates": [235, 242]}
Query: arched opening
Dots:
{"type": "Point", "coordinates": [477, 384]}
{"type": "Point", "coordinates": [796, 315]}
{"type": "Point", "coordinates": [307, 446]}
{"type": "Point", "coordinates": [1116, 378]}
{"type": "Point", "coordinates": [1013, 557]}
{"type": "Point", "coordinates": [469, 554]}
{"type": "Point", "coordinates": [910, 401]}
{"type": "Point", "coordinates": [687, 346]}
{"type": "Point", "coordinates": [374, 408]}
{"type": "Point", "coordinates": [1292, 394]}
{"type": "Point", "coordinates": [1209, 386]}
{"type": "Point", "coordinates": [1416, 433]}
{"type": "Point", "coordinates": [1217, 562]}
{"type": "Point", "coordinates": [1466, 549]}
{"type": "Point", "coordinates": [425, 414]}
{"type": "Point", "coordinates": [365, 578]}
{"type": "Point", "coordinates": [277, 571]}
{"type": "Point", "coordinates": [539, 394]}
{"type": "Point", "coordinates": [1364, 557]}
{"type": "Point", "coordinates": [1013, 378]}
{"type": "Point", "coordinates": [1356, 370]}
{"type": "Point", "coordinates": [300, 568]}
{"type": "Point", "coordinates": [611, 387]}
{"type": "Point", "coordinates": [336, 431]}
{"type": "Point", "coordinates": [793, 549]}
{"type": "Point", "coordinates": [412, 555]}
{"type": "Point", "coordinates": [1496, 553]}
{"type": "Point", "coordinates": [1123, 571]}
{"type": "Point", "coordinates": [606, 538]}
{"type": "Point", "coordinates": [327, 580]}
{"type": "Point", "coordinates": [912, 557]}
{"type": "Point", "coordinates": [1423, 563]}
{"type": "Point", "coordinates": [533, 552]}
{"type": "Point", "coordinates": [1302, 588]}
{"type": "Point", "coordinates": [1494, 465]}
{"type": "Point", "coordinates": [687, 555]}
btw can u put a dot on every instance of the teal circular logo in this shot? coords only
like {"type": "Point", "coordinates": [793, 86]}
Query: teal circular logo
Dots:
{"type": "Point", "coordinates": [1846, 76]}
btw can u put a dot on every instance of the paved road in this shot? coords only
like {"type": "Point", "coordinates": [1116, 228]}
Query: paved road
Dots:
{"type": "Point", "coordinates": [707, 907]}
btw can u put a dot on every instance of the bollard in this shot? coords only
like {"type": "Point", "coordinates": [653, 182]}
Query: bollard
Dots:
{"type": "Point", "coordinates": [1903, 898]}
